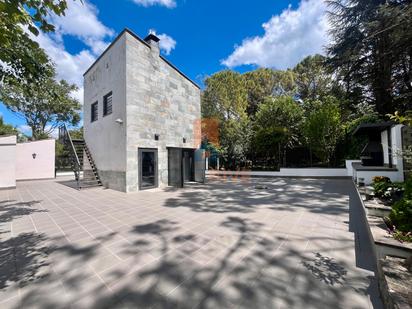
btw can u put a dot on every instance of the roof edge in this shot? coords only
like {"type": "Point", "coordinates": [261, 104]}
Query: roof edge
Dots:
{"type": "Point", "coordinates": [127, 30]}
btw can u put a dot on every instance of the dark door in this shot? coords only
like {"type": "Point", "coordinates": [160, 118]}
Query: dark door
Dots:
{"type": "Point", "coordinates": [187, 165]}
{"type": "Point", "coordinates": [147, 168]}
{"type": "Point", "coordinates": [175, 167]}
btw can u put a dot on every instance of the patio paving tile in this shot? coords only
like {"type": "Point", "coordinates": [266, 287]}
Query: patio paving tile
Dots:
{"type": "Point", "coordinates": [297, 244]}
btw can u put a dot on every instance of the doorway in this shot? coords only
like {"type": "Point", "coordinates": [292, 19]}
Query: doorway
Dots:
{"type": "Point", "coordinates": [180, 166]}
{"type": "Point", "coordinates": [187, 165]}
{"type": "Point", "coordinates": [147, 168]}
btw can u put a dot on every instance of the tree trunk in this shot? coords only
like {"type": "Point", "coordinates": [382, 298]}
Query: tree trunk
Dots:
{"type": "Point", "coordinates": [382, 75]}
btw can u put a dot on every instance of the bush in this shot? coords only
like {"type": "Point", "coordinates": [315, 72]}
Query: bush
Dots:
{"type": "Point", "coordinates": [401, 214]}
{"type": "Point", "coordinates": [377, 179]}
{"type": "Point", "coordinates": [379, 188]}
{"type": "Point", "coordinates": [402, 236]}
{"type": "Point", "coordinates": [384, 188]}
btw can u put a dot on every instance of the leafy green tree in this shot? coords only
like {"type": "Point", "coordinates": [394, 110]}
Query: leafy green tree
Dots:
{"type": "Point", "coordinates": [225, 96]}
{"type": "Point", "coordinates": [6, 129]}
{"type": "Point", "coordinates": [43, 105]}
{"type": "Point", "coordinates": [21, 55]}
{"type": "Point", "coordinates": [234, 141]}
{"type": "Point", "coordinates": [277, 125]}
{"type": "Point", "coordinates": [323, 128]}
{"type": "Point", "coordinates": [371, 51]}
{"type": "Point", "coordinates": [225, 99]}
{"type": "Point", "coordinates": [263, 82]}
{"type": "Point", "coordinates": [76, 133]}
{"type": "Point", "coordinates": [312, 78]}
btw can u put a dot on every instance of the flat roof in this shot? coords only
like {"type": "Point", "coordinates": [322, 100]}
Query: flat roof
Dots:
{"type": "Point", "coordinates": [367, 128]}
{"type": "Point", "coordinates": [145, 43]}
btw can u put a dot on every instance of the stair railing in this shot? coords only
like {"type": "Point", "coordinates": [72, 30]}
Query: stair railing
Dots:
{"type": "Point", "coordinates": [65, 138]}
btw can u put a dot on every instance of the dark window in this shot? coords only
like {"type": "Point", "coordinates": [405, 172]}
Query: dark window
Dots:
{"type": "Point", "coordinates": [184, 139]}
{"type": "Point", "coordinates": [107, 104]}
{"type": "Point", "coordinates": [94, 112]}
{"type": "Point", "coordinates": [156, 137]}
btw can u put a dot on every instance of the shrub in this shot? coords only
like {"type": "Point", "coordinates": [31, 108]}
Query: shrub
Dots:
{"type": "Point", "coordinates": [402, 236]}
{"type": "Point", "coordinates": [401, 214]}
{"type": "Point", "coordinates": [378, 179]}
{"type": "Point", "coordinates": [396, 233]}
{"type": "Point", "coordinates": [379, 188]}
{"type": "Point", "coordinates": [384, 188]}
{"type": "Point", "coordinates": [393, 190]}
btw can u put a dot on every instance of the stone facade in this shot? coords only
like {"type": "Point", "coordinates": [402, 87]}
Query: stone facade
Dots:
{"type": "Point", "coordinates": [150, 96]}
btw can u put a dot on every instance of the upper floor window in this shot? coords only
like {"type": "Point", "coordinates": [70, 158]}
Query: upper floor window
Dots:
{"type": "Point", "coordinates": [107, 104]}
{"type": "Point", "coordinates": [94, 112]}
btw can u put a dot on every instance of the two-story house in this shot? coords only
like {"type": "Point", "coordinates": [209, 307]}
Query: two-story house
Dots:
{"type": "Point", "coordinates": [141, 117]}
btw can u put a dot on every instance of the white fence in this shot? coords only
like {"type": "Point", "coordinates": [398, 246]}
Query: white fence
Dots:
{"type": "Point", "coordinates": [287, 172]}
{"type": "Point", "coordinates": [25, 161]}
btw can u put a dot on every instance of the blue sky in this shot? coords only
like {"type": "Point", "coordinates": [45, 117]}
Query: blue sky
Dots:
{"type": "Point", "coordinates": [199, 37]}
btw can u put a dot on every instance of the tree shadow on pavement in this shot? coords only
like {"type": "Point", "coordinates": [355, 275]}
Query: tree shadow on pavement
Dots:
{"type": "Point", "coordinates": [10, 210]}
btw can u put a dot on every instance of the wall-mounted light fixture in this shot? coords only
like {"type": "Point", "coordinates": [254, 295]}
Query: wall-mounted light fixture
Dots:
{"type": "Point", "coordinates": [119, 121]}
{"type": "Point", "coordinates": [184, 140]}
{"type": "Point", "coordinates": [34, 155]}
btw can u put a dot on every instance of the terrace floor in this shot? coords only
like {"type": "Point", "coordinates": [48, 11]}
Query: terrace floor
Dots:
{"type": "Point", "coordinates": [299, 243]}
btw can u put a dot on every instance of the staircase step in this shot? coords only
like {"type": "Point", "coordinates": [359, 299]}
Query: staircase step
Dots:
{"type": "Point", "coordinates": [90, 182]}
{"type": "Point", "coordinates": [86, 160]}
{"type": "Point", "coordinates": [89, 186]}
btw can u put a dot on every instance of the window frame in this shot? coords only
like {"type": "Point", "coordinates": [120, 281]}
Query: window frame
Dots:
{"type": "Point", "coordinates": [109, 94]}
{"type": "Point", "coordinates": [92, 119]}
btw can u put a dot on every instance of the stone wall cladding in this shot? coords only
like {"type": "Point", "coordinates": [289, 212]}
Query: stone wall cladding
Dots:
{"type": "Point", "coordinates": [113, 180]}
{"type": "Point", "coordinates": [159, 100]}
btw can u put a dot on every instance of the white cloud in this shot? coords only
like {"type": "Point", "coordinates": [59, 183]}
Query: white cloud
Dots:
{"type": "Point", "coordinates": [166, 43]}
{"type": "Point", "coordinates": [81, 22]}
{"type": "Point", "coordinates": [146, 3]}
{"type": "Point", "coordinates": [54, 133]}
{"type": "Point", "coordinates": [288, 37]}
{"type": "Point", "coordinates": [68, 66]}
{"type": "Point", "coordinates": [25, 129]}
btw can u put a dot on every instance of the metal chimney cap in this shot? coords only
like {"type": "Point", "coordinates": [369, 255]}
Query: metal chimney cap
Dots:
{"type": "Point", "coordinates": [152, 37]}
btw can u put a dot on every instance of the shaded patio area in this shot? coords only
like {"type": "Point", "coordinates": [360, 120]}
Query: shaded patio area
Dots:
{"type": "Point", "coordinates": [295, 243]}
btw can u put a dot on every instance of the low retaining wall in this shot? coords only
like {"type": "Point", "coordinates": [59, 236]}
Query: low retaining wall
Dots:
{"type": "Point", "coordinates": [287, 172]}
{"type": "Point", "coordinates": [387, 252]}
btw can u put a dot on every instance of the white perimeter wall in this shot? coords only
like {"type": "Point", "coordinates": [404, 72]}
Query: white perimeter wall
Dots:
{"type": "Point", "coordinates": [385, 146]}
{"type": "Point", "coordinates": [7, 161]}
{"type": "Point", "coordinates": [41, 167]}
{"type": "Point", "coordinates": [394, 176]}
{"type": "Point", "coordinates": [349, 166]}
{"type": "Point", "coordinates": [289, 172]}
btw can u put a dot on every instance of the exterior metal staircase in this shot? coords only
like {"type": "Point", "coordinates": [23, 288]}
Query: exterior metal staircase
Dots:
{"type": "Point", "coordinates": [81, 161]}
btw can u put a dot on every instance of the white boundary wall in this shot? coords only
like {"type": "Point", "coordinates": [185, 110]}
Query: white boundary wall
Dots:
{"type": "Point", "coordinates": [349, 166]}
{"type": "Point", "coordinates": [7, 161]}
{"type": "Point", "coordinates": [287, 172]}
{"type": "Point", "coordinates": [394, 176]}
{"type": "Point", "coordinates": [25, 161]}
{"type": "Point", "coordinates": [35, 160]}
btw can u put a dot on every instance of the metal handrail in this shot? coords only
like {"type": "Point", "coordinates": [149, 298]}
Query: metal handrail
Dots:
{"type": "Point", "coordinates": [67, 140]}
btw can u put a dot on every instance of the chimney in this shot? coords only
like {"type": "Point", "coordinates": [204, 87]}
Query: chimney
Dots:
{"type": "Point", "coordinates": [153, 41]}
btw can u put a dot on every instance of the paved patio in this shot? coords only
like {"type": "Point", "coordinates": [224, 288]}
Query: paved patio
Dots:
{"type": "Point", "coordinates": [299, 243]}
